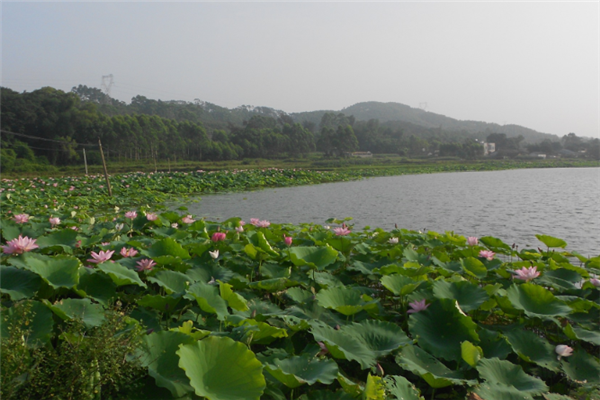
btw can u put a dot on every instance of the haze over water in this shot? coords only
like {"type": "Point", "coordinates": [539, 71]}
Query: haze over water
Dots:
{"type": "Point", "coordinates": [512, 205]}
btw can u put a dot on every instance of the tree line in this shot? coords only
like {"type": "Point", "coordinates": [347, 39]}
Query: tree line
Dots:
{"type": "Point", "coordinates": [52, 127]}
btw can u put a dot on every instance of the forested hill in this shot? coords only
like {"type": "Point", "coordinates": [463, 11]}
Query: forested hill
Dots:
{"type": "Point", "coordinates": [400, 114]}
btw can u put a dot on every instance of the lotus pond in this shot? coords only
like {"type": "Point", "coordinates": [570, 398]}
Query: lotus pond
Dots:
{"type": "Point", "coordinates": [102, 302]}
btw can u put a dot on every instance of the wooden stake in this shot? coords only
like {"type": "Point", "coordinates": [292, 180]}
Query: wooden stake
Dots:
{"type": "Point", "coordinates": [85, 162]}
{"type": "Point", "coordinates": [105, 170]}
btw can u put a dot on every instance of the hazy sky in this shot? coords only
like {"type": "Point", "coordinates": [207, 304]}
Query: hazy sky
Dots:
{"type": "Point", "coordinates": [534, 64]}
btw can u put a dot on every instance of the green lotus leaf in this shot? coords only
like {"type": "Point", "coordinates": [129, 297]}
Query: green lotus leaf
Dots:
{"type": "Point", "coordinates": [264, 244]}
{"type": "Point", "coordinates": [298, 370]}
{"type": "Point", "coordinates": [65, 238]}
{"type": "Point", "coordinates": [19, 283]}
{"type": "Point", "coordinates": [166, 247]}
{"type": "Point", "coordinates": [78, 309]}
{"type": "Point", "coordinates": [273, 285]}
{"type": "Point", "coordinates": [551, 241]}
{"type": "Point", "coordinates": [532, 348]}
{"type": "Point", "coordinates": [187, 327]}
{"type": "Point", "coordinates": [299, 295]}
{"type": "Point", "coordinates": [471, 354]}
{"type": "Point", "coordinates": [494, 243]}
{"type": "Point", "coordinates": [342, 345]}
{"type": "Point", "coordinates": [345, 300]}
{"type": "Point", "coordinates": [159, 355]}
{"type": "Point", "coordinates": [324, 279]}
{"type": "Point", "coordinates": [441, 328]}
{"type": "Point", "coordinates": [314, 257]}
{"type": "Point", "coordinates": [493, 344]}
{"type": "Point", "coordinates": [436, 374]}
{"type": "Point", "coordinates": [501, 372]}
{"type": "Point", "coordinates": [474, 267]}
{"type": "Point", "coordinates": [536, 301]}
{"type": "Point", "coordinates": [575, 332]}
{"type": "Point", "coordinates": [380, 337]}
{"type": "Point", "coordinates": [556, 396]}
{"type": "Point", "coordinates": [59, 271]}
{"type": "Point", "coordinates": [400, 285]}
{"type": "Point", "coordinates": [158, 302]}
{"type": "Point", "coordinates": [374, 388]}
{"type": "Point", "coordinates": [234, 300]}
{"type": "Point", "coordinates": [498, 391]}
{"type": "Point", "coordinates": [171, 281]}
{"type": "Point", "coordinates": [120, 275]}
{"type": "Point", "coordinates": [96, 285]}
{"type": "Point", "coordinates": [468, 295]}
{"type": "Point", "coordinates": [581, 367]}
{"type": "Point", "coordinates": [222, 369]}
{"type": "Point", "coordinates": [350, 387]}
{"type": "Point", "coordinates": [207, 297]}
{"type": "Point", "coordinates": [38, 322]}
{"type": "Point", "coordinates": [261, 332]}
{"type": "Point", "coordinates": [401, 389]}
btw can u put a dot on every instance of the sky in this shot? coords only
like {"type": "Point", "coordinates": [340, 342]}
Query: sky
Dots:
{"type": "Point", "coordinates": [534, 64]}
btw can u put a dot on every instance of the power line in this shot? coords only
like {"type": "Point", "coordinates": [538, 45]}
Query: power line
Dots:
{"type": "Point", "coordinates": [48, 140]}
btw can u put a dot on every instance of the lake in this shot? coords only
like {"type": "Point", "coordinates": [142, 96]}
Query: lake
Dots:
{"type": "Point", "coordinates": [512, 205]}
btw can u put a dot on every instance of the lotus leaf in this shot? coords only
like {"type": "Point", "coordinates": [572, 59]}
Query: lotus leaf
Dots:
{"type": "Point", "coordinates": [78, 309]}
{"type": "Point", "coordinates": [401, 388]}
{"type": "Point", "coordinates": [374, 388]}
{"type": "Point", "coordinates": [582, 367]}
{"type": "Point", "coordinates": [468, 295]}
{"type": "Point", "coordinates": [96, 285]}
{"type": "Point", "coordinates": [345, 300]}
{"type": "Point", "coordinates": [536, 301]}
{"type": "Point", "coordinates": [314, 257]}
{"type": "Point", "coordinates": [120, 275]}
{"type": "Point", "coordinates": [533, 348]}
{"type": "Point", "coordinates": [442, 327]}
{"type": "Point", "coordinates": [160, 357]}
{"type": "Point", "coordinates": [208, 299]}
{"type": "Point", "coordinates": [506, 376]}
{"type": "Point", "coordinates": [167, 247]}
{"type": "Point", "coordinates": [221, 369]}
{"type": "Point", "coordinates": [19, 283]}
{"type": "Point", "coordinates": [298, 370]}
{"type": "Point", "coordinates": [551, 241]}
{"type": "Point", "coordinates": [171, 281]}
{"type": "Point", "coordinates": [436, 374]}
{"type": "Point", "coordinates": [59, 271]}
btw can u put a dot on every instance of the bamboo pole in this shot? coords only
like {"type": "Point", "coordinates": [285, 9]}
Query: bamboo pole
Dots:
{"type": "Point", "coordinates": [105, 170]}
{"type": "Point", "coordinates": [85, 162]}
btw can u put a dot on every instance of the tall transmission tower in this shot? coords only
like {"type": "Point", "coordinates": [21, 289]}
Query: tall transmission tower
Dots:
{"type": "Point", "coordinates": [423, 105]}
{"type": "Point", "coordinates": [107, 82]}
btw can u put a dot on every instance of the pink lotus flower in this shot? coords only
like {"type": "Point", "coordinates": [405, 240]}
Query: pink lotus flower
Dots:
{"type": "Point", "coordinates": [472, 241]}
{"type": "Point", "coordinates": [487, 254]}
{"type": "Point", "coordinates": [323, 350]}
{"type": "Point", "coordinates": [188, 219]}
{"type": "Point", "coordinates": [595, 281]}
{"type": "Point", "coordinates": [417, 306]}
{"type": "Point", "coordinates": [101, 256]}
{"type": "Point", "coordinates": [288, 240]}
{"type": "Point", "coordinates": [218, 236]}
{"type": "Point", "coordinates": [259, 223]}
{"type": "Point", "coordinates": [128, 252]}
{"type": "Point", "coordinates": [54, 221]}
{"type": "Point", "coordinates": [131, 214]}
{"type": "Point", "coordinates": [526, 274]}
{"type": "Point", "coordinates": [563, 351]}
{"type": "Point", "coordinates": [19, 245]}
{"type": "Point", "coordinates": [239, 229]}
{"type": "Point", "coordinates": [145, 265]}
{"type": "Point", "coordinates": [21, 218]}
{"type": "Point", "coordinates": [151, 216]}
{"type": "Point", "coordinates": [343, 231]}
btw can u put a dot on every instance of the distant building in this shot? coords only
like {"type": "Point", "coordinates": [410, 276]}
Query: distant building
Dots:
{"type": "Point", "coordinates": [489, 148]}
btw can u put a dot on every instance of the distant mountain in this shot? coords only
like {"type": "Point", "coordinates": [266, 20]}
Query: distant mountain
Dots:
{"type": "Point", "coordinates": [401, 114]}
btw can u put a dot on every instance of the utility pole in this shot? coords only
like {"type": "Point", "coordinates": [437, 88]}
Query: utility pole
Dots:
{"type": "Point", "coordinates": [105, 170]}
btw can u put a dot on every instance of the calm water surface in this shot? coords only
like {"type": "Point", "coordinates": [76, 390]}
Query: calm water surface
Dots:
{"type": "Point", "coordinates": [512, 205]}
